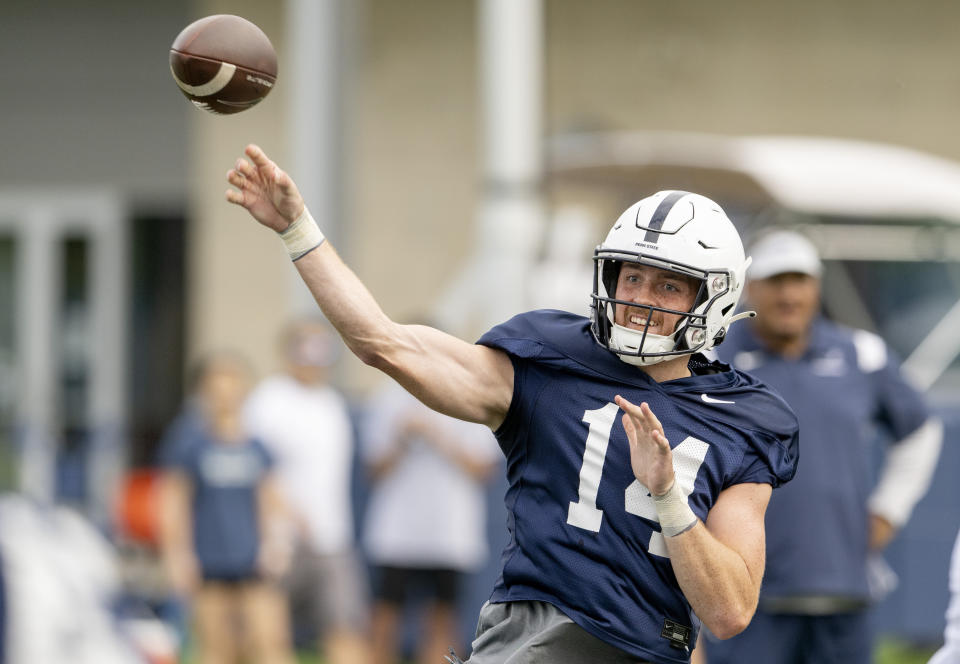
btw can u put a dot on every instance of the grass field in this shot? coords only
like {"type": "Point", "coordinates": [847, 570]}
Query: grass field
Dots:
{"type": "Point", "coordinates": [888, 652]}
{"type": "Point", "coordinates": [895, 652]}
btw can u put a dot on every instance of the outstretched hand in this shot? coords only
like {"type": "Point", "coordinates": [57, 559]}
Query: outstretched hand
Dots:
{"type": "Point", "coordinates": [650, 455]}
{"type": "Point", "coordinates": [266, 191]}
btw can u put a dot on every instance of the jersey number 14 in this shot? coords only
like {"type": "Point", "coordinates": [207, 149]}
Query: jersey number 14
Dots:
{"type": "Point", "coordinates": [688, 456]}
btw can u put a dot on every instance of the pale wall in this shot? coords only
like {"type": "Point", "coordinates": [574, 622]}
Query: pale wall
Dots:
{"type": "Point", "coordinates": [881, 70]}
{"type": "Point", "coordinates": [239, 275]}
{"type": "Point", "coordinates": [86, 97]}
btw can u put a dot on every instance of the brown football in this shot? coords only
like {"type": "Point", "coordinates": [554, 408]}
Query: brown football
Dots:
{"type": "Point", "coordinates": [223, 63]}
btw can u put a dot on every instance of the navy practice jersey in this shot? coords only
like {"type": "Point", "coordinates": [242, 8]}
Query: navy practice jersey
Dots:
{"type": "Point", "coordinates": [583, 532]}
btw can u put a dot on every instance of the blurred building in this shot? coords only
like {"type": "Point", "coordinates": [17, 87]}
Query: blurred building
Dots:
{"type": "Point", "coordinates": [120, 260]}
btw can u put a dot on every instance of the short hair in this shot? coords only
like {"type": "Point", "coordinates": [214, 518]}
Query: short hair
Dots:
{"type": "Point", "coordinates": [202, 366]}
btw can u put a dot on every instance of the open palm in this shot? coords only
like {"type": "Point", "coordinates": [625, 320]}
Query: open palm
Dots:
{"type": "Point", "coordinates": [650, 455]}
{"type": "Point", "coordinates": [264, 190]}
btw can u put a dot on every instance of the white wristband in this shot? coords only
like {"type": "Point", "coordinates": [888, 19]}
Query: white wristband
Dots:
{"type": "Point", "coordinates": [302, 236]}
{"type": "Point", "coordinates": [674, 512]}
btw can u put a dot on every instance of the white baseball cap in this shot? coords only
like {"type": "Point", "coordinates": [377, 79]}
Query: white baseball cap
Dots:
{"type": "Point", "coordinates": [780, 252]}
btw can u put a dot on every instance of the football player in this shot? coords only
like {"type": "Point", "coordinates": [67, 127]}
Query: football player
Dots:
{"type": "Point", "coordinates": [625, 530]}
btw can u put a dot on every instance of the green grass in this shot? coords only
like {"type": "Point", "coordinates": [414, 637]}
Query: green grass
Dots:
{"type": "Point", "coordinates": [304, 658]}
{"type": "Point", "coordinates": [892, 651]}
{"type": "Point", "coordinates": [889, 651]}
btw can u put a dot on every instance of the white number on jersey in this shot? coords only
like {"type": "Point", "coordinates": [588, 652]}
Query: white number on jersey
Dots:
{"type": "Point", "coordinates": [688, 456]}
{"type": "Point", "coordinates": [584, 513]}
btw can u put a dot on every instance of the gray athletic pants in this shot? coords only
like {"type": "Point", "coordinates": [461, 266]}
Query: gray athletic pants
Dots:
{"type": "Point", "coordinates": [530, 632]}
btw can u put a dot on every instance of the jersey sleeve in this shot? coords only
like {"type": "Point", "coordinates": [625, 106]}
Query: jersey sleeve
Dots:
{"type": "Point", "coordinates": [518, 337]}
{"type": "Point", "coordinates": [772, 434]}
{"type": "Point", "coordinates": [523, 339]}
{"type": "Point", "coordinates": [770, 460]}
{"type": "Point", "coordinates": [557, 338]}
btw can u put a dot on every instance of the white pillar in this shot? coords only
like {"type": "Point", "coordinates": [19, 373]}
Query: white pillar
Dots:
{"type": "Point", "coordinates": [491, 287]}
{"type": "Point", "coordinates": [313, 81]}
{"type": "Point", "coordinates": [511, 42]}
{"type": "Point", "coordinates": [108, 451]}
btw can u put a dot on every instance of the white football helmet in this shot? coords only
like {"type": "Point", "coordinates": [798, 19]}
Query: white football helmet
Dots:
{"type": "Point", "coordinates": [681, 232]}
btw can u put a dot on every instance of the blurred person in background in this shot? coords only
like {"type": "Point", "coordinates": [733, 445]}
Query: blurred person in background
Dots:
{"type": "Point", "coordinates": [826, 529]}
{"type": "Point", "coordinates": [63, 591]}
{"type": "Point", "coordinates": [425, 526]}
{"type": "Point", "coordinates": [949, 653]}
{"type": "Point", "coordinates": [218, 504]}
{"type": "Point", "coordinates": [622, 538]}
{"type": "Point", "coordinates": [305, 423]}
{"type": "Point", "coordinates": [3, 615]}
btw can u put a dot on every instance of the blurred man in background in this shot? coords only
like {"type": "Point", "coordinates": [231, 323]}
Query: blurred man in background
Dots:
{"type": "Point", "coordinates": [305, 424]}
{"type": "Point", "coordinates": [826, 529]}
{"type": "Point", "coordinates": [425, 527]}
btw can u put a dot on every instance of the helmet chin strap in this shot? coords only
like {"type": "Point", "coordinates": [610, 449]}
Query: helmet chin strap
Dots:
{"type": "Point", "coordinates": [628, 341]}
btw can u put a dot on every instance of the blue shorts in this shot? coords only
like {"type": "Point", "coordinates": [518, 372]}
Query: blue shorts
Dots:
{"type": "Point", "coordinates": [230, 578]}
{"type": "Point", "coordinates": [778, 638]}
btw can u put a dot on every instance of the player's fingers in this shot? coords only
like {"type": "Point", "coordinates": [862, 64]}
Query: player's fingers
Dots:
{"type": "Point", "coordinates": [660, 440]}
{"type": "Point", "coordinates": [639, 415]}
{"type": "Point", "coordinates": [234, 196]}
{"type": "Point", "coordinates": [258, 156]}
{"type": "Point", "coordinates": [281, 178]}
{"type": "Point", "coordinates": [629, 413]}
{"type": "Point", "coordinates": [627, 407]}
{"type": "Point", "coordinates": [236, 179]}
{"type": "Point", "coordinates": [650, 418]}
{"type": "Point", "coordinates": [285, 182]}
{"type": "Point", "coordinates": [629, 428]}
{"type": "Point", "coordinates": [245, 168]}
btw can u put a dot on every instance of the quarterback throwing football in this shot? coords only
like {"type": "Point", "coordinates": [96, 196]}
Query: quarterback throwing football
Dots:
{"type": "Point", "coordinates": [626, 531]}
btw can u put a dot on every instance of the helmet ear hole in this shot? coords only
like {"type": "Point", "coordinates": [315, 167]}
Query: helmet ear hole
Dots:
{"type": "Point", "coordinates": [610, 276]}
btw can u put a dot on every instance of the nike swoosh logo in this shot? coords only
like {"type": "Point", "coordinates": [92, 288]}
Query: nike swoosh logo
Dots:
{"type": "Point", "coordinates": [710, 399]}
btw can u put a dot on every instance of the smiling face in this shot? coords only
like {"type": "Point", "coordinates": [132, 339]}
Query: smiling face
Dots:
{"type": "Point", "coordinates": [652, 286]}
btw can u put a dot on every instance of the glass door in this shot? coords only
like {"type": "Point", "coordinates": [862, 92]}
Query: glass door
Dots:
{"type": "Point", "coordinates": [63, 289]}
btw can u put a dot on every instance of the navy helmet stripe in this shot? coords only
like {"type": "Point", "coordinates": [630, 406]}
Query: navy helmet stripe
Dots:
{"type": "Point", "coordinates": [660, 215]}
